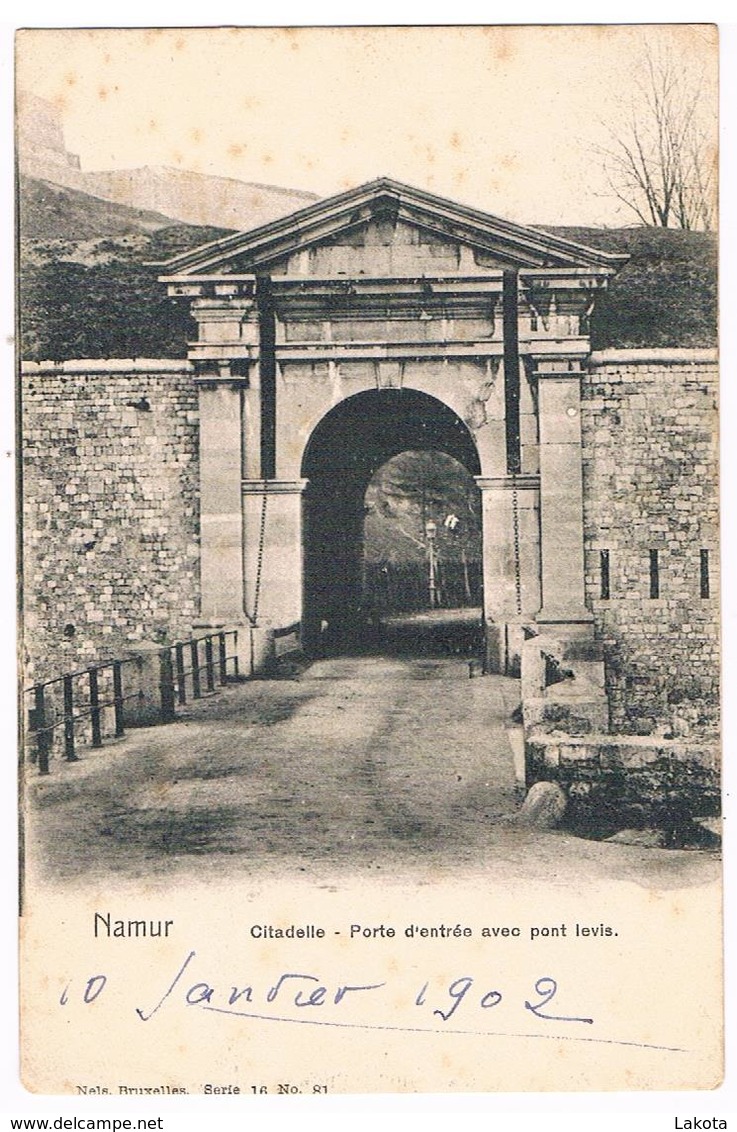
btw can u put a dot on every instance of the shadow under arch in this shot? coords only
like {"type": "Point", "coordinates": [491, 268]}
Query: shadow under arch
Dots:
{"type": "Point", "coordinates": [346, 447]}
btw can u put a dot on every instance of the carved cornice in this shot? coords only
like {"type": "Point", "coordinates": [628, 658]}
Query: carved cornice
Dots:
{"type": "Point", "coordinates": [222, 287]}
{"type": "Point", "coordinates": [508, 483]}
{"type": "Point", "coordinates": [273, 487]}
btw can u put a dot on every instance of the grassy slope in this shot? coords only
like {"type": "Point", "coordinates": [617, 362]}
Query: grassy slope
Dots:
{"type": "Point", "coordinates": [102, 299]}
{"type": "Point", "coordinates": [665, 296]}
{"type": "Point", "coordinates": [52, 212]}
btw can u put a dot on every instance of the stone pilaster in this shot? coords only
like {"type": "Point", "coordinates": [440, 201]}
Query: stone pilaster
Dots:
{"type": "Point", "coordinates": [221, 524]}
{"type": "Point", "coordinates": [272, 564]}
{"type": "Point", "coordinates": [511, 557]}
{"type": "Point", "coordinates": [563, 611]}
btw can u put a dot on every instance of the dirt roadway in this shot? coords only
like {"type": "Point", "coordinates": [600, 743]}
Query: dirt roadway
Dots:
{"type": "Point", "coordinates": [381, 766]}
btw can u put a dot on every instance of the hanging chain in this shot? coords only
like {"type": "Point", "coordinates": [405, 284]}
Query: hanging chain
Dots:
{"type": "Point", "coordinates": [515, 533]}
{"type": "Point", "coordinates": [253, 618]}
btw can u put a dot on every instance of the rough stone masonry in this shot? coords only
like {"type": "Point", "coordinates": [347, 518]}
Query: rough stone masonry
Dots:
{"type": "Point", "coordinates": [651, 506]}
{"type": "Point", "coordinates": [110, 511]}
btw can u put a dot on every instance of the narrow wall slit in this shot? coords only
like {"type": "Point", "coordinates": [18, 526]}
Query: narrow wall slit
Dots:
{"type": "Point", "coordinates": [654, 574]}
{"type": "Point", "coordinates": [605, 591]}
{"type": "Point", "coordinates": [704, 579]}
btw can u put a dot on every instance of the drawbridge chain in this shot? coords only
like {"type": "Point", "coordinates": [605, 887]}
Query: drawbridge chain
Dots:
{"type": "Point", "coordinates": [253, 618]}
{"type": "Point", "coordinates": [515, 535]}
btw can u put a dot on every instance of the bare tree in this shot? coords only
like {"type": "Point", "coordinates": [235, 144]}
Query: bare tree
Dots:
{"type": "Point", "coordinates": [661, 160]}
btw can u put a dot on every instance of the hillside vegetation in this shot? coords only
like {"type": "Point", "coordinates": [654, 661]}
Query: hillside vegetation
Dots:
{"type": "Point", "coordinates": [665, 296]}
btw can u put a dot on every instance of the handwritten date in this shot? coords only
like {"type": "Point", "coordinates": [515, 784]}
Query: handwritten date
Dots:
{"type": "Point", "coordinates": [295, 995]}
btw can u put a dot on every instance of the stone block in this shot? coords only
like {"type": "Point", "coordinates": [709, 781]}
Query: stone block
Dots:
{"type": "Point", "coordinates": [544, 806]}
{"type": "Point", "coordinates": [645, 838]}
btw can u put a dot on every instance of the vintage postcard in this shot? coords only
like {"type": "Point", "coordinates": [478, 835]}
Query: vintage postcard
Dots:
{"type": "Point", "coordinates": [367, 385]}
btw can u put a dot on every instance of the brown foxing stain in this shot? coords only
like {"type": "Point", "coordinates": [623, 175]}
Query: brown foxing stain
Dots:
{"type": "Point", "coordinates": [267, 159]}
{"type": "Point", "coordinates": [102, 93]}
{"type": "Point", "coordinates": [70, 79]}
{"type": "Point", "coordinates": [195, 135]}
{"type": "Point", "coordinates": [502, 46]}
{"type": "Point", "coordinates": [292, 37]}
{"type": "Point", "coordinates": [179, 44]}
{"type": "Point", "coordinates": [236, 149]}
{"type": "Point", "coordinates": [509, 161]}
{"type": "Point", "coordinates": [455, 140]}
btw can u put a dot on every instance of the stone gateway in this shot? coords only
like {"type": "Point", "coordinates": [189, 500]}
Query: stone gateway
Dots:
{"type": "Point", "coordinates": [381, 320]}
{"type": "Point", "coordinates": [228, 489]}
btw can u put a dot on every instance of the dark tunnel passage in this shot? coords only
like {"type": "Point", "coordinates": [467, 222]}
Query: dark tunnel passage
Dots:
{"type": "Point", "coordinates": [346, 448]}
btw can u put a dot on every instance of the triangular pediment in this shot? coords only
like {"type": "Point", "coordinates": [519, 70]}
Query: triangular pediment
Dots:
{"type": "Point", "coordinates": [388, 228]}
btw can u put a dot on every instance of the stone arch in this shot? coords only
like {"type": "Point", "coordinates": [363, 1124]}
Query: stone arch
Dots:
{"type": "Point", "coordinates": [352, 440]}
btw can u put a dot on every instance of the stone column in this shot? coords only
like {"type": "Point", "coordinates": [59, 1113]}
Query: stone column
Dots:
{"type": "Point", "coordinates": [511, 576]}
{"type": "Point", "coordinates": [221, 525]}
{"type": "Point", "coordinates": [563, 611]}
{"type": "Point", "coordinates": [272, 565]}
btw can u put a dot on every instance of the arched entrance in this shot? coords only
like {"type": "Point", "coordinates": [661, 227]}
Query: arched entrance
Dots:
{"type": "Point", "coordinates": [425, 325]}
{"type": "Point", "coordinates": [346, 448]}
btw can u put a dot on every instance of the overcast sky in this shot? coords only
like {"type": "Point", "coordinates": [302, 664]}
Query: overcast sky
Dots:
{"type": "Point", "coordinates": [505, 119]}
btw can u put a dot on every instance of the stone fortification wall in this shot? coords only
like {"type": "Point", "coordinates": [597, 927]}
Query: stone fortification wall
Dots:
{"type": "Point", "coordinates": [110, 514]}
{"type": "Point", "coordinates": [651, 513]}
{"type": "Point", "coordinates": [110, 508]}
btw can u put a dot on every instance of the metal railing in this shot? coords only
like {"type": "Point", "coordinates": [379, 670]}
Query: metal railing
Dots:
{"type": "Point", "coordinates": [181, 665]}
{"type": "Point", "coordinates": [88, 706]}
{"type": "Point", "coordinates": [72, 708]}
